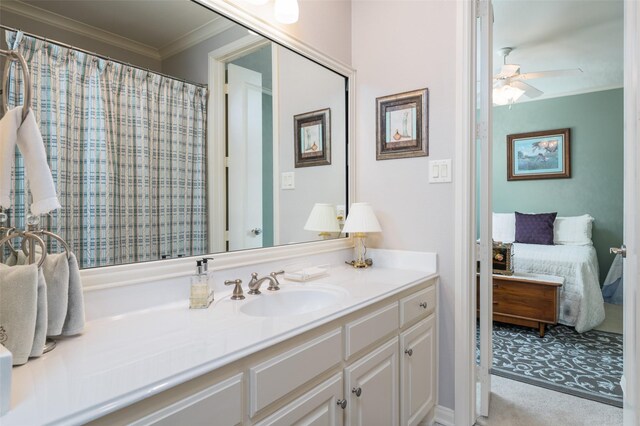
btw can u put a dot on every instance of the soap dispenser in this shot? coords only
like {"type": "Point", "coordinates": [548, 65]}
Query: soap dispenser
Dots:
{"type": "Point", "coordinates": [201, 294]}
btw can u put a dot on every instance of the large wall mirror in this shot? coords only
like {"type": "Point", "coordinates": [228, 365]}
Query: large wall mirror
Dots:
{"type": "Point", "coordinates": [173, 131]}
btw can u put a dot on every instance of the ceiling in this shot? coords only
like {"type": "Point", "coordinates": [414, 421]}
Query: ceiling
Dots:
{"type": "Point", "coordinates": [562, 34]}
{"type": "Point", "coordinates": [154, 24]}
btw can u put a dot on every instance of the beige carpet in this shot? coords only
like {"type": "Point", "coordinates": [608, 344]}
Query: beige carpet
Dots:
{"type": "Point", "coordinates": [516, 403]}
{"type": "Point", "coordinates": [613, 319]}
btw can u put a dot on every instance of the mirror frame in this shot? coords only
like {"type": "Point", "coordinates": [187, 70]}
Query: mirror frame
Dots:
{"type": "Point", "coordinates": [144, 272]}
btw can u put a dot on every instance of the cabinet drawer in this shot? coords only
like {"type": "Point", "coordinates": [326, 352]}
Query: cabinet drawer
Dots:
{"type": "Point", "coordinates": [224, 399]}
{"type": "Point", "coordinates": [273, 379]}
{"type": "Point", "coordinates": [418, 305]}
{"type": "Point", "coordinates": [525, 300]}
{"type": "Point", "coordinates": [318, 406]}
{"type": "Point", "coordinates": [364, 331]}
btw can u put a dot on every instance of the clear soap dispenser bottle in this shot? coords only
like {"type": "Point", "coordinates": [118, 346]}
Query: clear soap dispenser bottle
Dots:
{"type": "Point", "coordinates": [201, 295]}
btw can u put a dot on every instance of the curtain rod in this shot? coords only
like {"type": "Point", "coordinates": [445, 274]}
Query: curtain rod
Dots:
{"type": "Point", "coordinates": [106, 58]}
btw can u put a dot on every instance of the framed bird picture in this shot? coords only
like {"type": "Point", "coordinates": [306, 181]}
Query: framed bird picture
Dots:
{"type": "Point", "coordinates": [539, 155]}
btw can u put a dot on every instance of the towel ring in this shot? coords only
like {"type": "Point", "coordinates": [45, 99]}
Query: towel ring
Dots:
{"type": "Point", "coordinates": [7, 231]}
{"type": "Point", "coordinates": [62, 242]}
{"type": "Point", "coordinates": [14, 55]}
{"type": "Point", "coordinates": [28, 235]}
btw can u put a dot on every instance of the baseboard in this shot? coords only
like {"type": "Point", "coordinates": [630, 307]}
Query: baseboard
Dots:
{"type": "Point", "coordinates": [444, 416]}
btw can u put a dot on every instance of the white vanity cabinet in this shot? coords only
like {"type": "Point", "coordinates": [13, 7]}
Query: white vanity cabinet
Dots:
{"type": "Point", "coordinates": [371, 384]}
{"type": "Point", "coordinates": [372, 366]}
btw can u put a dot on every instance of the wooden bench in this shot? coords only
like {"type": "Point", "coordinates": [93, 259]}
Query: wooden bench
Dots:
{"type": "Point", "coordinates": [530, 300]}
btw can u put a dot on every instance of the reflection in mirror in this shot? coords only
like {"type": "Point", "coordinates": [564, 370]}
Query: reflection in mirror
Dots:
{"type": "Point", "coordinates": [172, 131]}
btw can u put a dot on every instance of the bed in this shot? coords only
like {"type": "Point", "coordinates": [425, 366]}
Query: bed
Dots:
{"type": "Point", "coordinates": [570, 256]}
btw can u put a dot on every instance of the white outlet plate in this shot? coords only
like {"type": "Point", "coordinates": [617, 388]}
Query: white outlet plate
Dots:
{"type": "Point", "coordinates": [440, 171]}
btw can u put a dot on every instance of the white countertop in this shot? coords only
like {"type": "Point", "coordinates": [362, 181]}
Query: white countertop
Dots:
{"type": "Point", "coordinates": [121, 359]}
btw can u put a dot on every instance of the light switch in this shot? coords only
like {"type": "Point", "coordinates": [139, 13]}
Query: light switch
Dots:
{"type": "Point", "coordinates": [440, 171]}
{"type": "Point", "coordinates": [287, 180]}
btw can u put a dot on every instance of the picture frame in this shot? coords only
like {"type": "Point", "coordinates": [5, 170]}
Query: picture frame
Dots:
{"type": "Point", "coordinates": [539, 155]}
{"type": "Point", "coordinates": [312, 138]}
{"type": "Point", "coordinates": [402, 125]}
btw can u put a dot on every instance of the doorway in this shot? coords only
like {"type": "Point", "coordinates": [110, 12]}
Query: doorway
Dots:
{"type": "Point", "coordinates": [465, 304]}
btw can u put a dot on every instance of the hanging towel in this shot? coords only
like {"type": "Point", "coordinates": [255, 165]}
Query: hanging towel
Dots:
{"type": "Point", "coordinates": [56, 275]}
{"type": "Point", "coordinates": [40, 336]}
{"type": "Point", "coordinates": [18, 309]}
{"type": "Point", "coordinates": [74, 322]}
{"type": "Point", "coordinates": [8, 133]}
{"type": "Point", "coordinates": [43, 191]}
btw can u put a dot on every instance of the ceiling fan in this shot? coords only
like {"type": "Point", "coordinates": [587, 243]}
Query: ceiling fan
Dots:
{"type": "Point", "coordinates": [509, 85]}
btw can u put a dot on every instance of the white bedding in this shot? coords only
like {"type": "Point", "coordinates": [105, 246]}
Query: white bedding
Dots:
{"type": "Point", "coordinates": [581, 302]}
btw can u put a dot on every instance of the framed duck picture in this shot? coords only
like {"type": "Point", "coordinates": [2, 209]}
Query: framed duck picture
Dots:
{"type": "Point", "coordinates": [402, 125]}
{"type": "Point", "coordinates": [312, 138]}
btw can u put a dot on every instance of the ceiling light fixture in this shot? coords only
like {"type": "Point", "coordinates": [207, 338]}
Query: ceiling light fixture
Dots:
{"type": "Point", "coordinates": [285, 11]}
{"type": "Point", "coordinates": [506, 94]}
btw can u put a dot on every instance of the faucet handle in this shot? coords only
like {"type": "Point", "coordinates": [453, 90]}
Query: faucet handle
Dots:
{"type": "Point", "coordinates": [275, 284]}
{"type": "Point", "coordinates": [237, 291]}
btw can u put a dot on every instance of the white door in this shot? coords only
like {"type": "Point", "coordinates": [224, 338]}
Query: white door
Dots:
{"type": "Point", "coordinates": [631, 234]}
{"type": "Point", "coordinates": [244, 164]}
{"type": "Point", "coordinates": [371, 388]}
{"type": "Point", "coordinates": [484, 138]}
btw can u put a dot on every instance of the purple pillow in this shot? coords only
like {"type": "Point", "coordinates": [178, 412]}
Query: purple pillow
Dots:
{"type": "Point", "coordinates": [535, 228]}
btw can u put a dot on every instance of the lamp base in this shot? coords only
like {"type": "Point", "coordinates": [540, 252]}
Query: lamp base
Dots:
{"type": "Point", "coordinates": [360, 264]}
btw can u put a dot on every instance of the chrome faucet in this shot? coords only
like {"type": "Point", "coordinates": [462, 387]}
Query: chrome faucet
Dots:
{"type": "Point", "coordinates": [255, 283]}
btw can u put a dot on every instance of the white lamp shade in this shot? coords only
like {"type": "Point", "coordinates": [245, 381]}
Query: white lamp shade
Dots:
{"type": "Point", "coordinates": [323, 218]}
{"type": "Point", "coordinates": [361, 219]}
{"type": "Point", "coordinates": [286, 11]}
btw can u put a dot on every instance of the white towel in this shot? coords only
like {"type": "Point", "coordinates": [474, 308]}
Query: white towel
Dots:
{"type": "Point", "coordinates": [37, 170]}
{"type": "Point", "coordinates": [56, 275]}
{"type": "Point", "coordinates": [18, 308]}
{"type": "Point", "coordinates": [40, 336]}
{"type": "Point", "coordinates": [74, 322]}
{"type": "Point", "coordinates": [8, 134]}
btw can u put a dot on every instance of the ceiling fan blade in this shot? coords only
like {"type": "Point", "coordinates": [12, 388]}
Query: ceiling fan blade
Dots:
{"type": "Point", "coordinates": [529, 90]}
{"type": "Point", "coordinates": [546, 74]}
{"type": "Point", "coordinates": [507, 70]}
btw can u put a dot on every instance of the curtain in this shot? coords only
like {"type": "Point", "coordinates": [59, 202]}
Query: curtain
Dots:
{"type": "Point", "coordinates": [127, 150]}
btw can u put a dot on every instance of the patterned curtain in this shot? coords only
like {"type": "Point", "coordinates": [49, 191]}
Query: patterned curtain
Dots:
{"type": "Point", "coordinates": [127, 152]}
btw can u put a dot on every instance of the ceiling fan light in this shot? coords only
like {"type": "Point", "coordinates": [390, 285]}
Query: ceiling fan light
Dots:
{"type": "Point", "coordinates": [506, 95]}
{"type": "Point", "coordinates": [286, 11]}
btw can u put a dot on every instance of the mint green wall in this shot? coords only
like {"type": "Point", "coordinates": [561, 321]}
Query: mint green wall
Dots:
{"type": "Point", "coordinates": [596, 183]}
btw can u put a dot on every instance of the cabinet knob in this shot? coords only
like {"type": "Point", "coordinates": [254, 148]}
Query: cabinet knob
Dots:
{"type": "Point", "coordinates": [408, 352]}
{"type": "Point", "coordinates": [423, 305]}
{"type": "Point", "coordinates": [342, 403]}
{"type": "Point", "coordinates": [357, 391]}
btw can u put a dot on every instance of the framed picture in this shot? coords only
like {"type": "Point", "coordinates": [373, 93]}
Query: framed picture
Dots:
{"type": "Point", "coordinates": [312, 138]}
{"type": "Point", "coordinates": [402, 128]}
{"type": "Point", "coordinates": [539, 155]}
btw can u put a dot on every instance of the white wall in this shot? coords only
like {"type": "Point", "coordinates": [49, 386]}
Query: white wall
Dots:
{"type": "Point", "coordinates": [414, 214]}
{"type": "Point", "coordinates": [305, 86]}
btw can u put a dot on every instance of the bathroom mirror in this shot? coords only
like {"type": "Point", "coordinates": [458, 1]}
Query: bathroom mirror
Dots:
{"type": "Point", "coordinates": [173, 131]}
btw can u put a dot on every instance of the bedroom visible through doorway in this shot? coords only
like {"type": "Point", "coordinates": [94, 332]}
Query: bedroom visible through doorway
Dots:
{"type": "Point", "coordinates": [557, 196]}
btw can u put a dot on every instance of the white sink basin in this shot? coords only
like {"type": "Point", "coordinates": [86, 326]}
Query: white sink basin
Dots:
{"type": "Point", "coordinates": [291, 302]}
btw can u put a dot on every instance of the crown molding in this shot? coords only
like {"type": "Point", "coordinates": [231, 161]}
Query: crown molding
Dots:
{"type": "Point", "coordinates": [198, 35]}
{"type": "Point", "coordinates": [77, 27]}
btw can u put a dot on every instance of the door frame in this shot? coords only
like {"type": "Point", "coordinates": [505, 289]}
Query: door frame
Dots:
{"type": "Point", "coordinates": [216, 136]}
{"type": "Point", "coordinates": [464, 213]}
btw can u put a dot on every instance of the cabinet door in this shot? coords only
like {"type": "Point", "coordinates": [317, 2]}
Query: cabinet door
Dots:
{"type": "Point", "coordinates": [220, 404]}
{"type": "Point", "coordinates": [371, 388]}
{"type": "Point", "coordinates": [318, 407]}
{"type": "Point", "coordinates": [417, 371]}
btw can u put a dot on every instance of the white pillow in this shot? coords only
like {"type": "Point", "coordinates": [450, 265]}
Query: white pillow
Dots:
{"type": "Point", "coordinates": [504, 227]}
{"type": "Point", "coordinates": [573, 231]}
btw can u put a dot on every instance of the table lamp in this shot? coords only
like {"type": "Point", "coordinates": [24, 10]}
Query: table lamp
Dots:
{"type": "Point", "coordinates": [323, 219]}
{"type": "Point", "coordinates": [360, 221]}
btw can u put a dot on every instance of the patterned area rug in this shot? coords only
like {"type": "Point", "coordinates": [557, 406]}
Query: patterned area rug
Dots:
{"type": "Point", "coordinates": [587, 365]}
